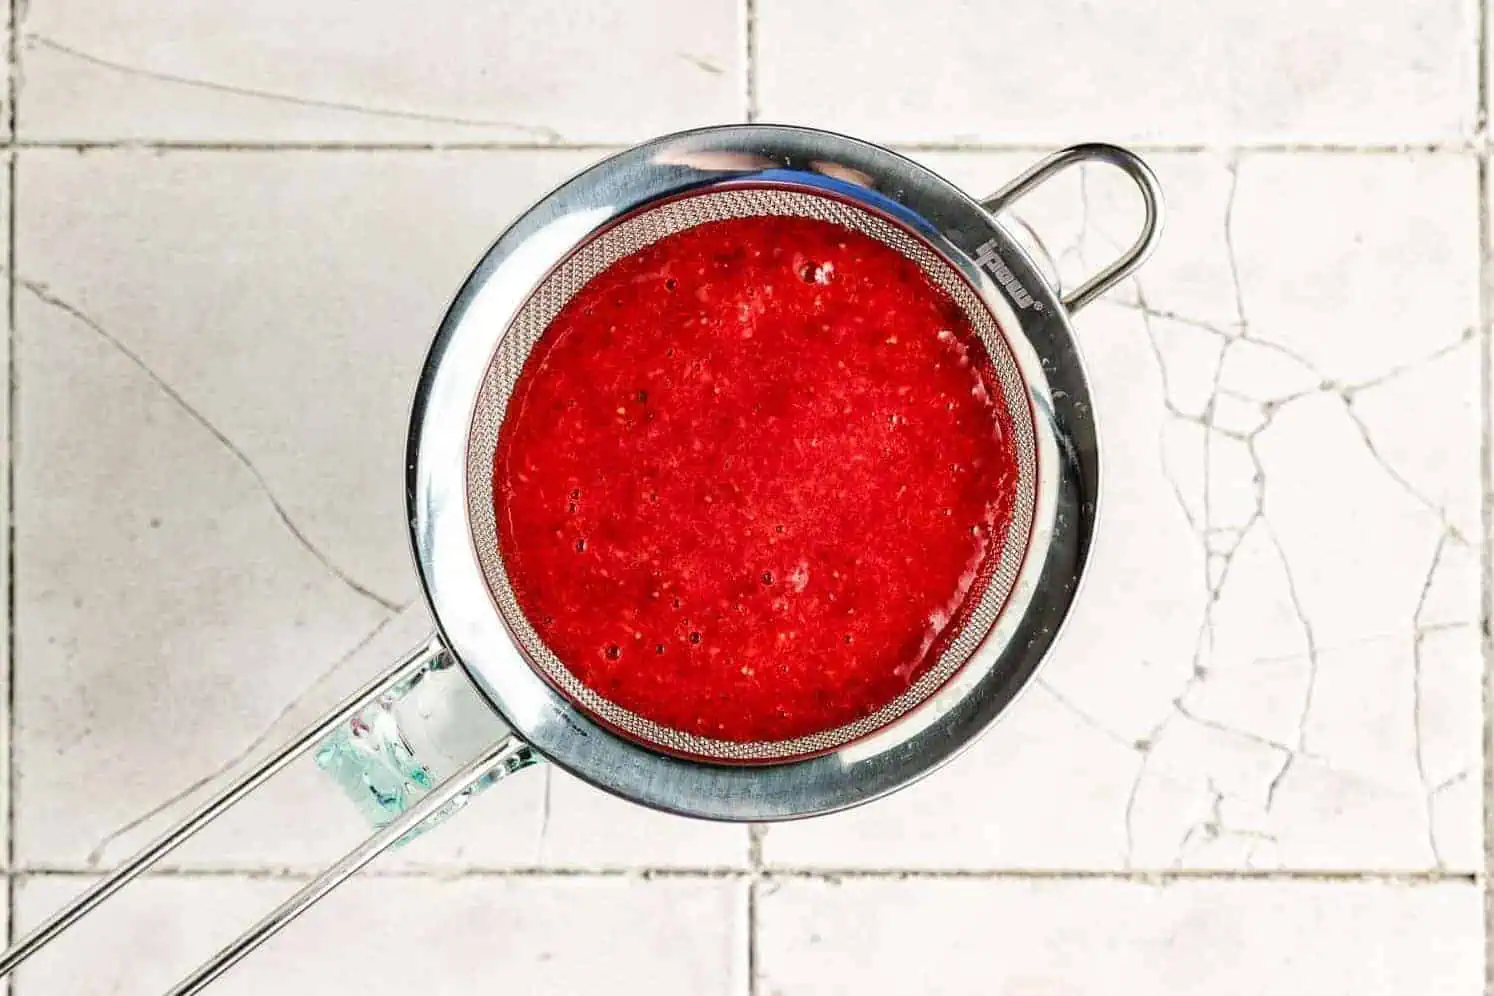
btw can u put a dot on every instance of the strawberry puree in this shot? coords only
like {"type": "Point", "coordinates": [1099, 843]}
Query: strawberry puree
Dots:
{"type": "Point", "coordinates": [750, 477]}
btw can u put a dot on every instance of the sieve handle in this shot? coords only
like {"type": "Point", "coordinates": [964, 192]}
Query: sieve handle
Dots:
{"type": "Point", "coordinates": [410, 718]}
{"type": "Point", "coordinates": [394, 751]}
{"type": "Point", "coordinates": [1112, 155]}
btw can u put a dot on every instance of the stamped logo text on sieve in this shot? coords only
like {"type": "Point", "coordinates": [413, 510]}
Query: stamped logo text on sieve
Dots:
{"type": "Point", "coordinates": [989, 259]}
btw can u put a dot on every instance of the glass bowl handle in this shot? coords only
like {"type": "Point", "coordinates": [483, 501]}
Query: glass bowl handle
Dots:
{"type": "Point", "coordinates": [394, 751]}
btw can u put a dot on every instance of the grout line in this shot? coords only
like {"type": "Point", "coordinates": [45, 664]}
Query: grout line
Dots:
{"type": "Point", "coordinates": [1486, 567]}
{"type": "Point", "coordinates": [13, 76]}
{"type": "Point", "coordinates": [752, 974]}
{"type": "Point", "coordinates": [749, 39]}
{"type": "Point", "coordinates": [10, 770]}
{"type": "Point", "coordinates": [133, 145]}
{"type": "Point", "coordinates": [755, 834]}
{"type": "Point", "coordinates": [1477, 145]}
{"type": "Point", "coordinates": [1451, 147]}
{"type": "Point", "coordinates": [789, 874]}
{"type": "Point", "coordinates": [1486, 467]}
{"type": "Point", "coordinates": [1481, 72]}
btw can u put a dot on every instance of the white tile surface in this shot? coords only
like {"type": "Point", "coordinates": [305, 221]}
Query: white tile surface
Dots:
{"type": "Point", "coordinates": [1035, 938]}
{"type": "Point", "coordinates": [168, 615]}
{"type": "Point", "coordinates": [529, 72]}
{"type": "Point", "coordinates": [1236, 70]}
{"type": "Point", "coordinates": [1046, 789]}
{"type": "Point", "coordinates": [1276, 665]}
{"type": "Point", "coordinates": [388, 937]}
{"type": "Point", "coordinates": [1276, 661]}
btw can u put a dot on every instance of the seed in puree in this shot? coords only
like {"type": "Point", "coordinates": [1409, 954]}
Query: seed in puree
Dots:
{"type": "Point", "coordinates": [749, 478]}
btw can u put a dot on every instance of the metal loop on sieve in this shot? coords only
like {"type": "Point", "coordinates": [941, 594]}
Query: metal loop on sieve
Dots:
{"type": "Point", "coordinates": [624, 239]}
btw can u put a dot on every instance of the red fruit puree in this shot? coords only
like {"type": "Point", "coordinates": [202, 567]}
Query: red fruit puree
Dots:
{"type": "Point", "coordinates": [750, 477]}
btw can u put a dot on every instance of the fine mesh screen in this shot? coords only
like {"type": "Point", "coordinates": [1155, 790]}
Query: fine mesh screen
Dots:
{"type": "Point", "coordinates": [629, 236]}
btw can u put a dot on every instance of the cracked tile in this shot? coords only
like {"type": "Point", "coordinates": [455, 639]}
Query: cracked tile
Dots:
{"type": "Point", "coordinates": [1256, 678]}
{"type": "Point", "coordinates": [1037, 938]}
{"type": "Point", "coordinates": [1357, 574]}
{"type": "Point", "coordinates": [397, 935]}
{"type": "Point", "coordinates": [1359, 766]}
{"type": "Point", "coordinates": [210, 517]}
{"type": "Point", "coordinates": [1187, 363]}
{"type": "Point", "coordinates": [1232, 500]}
{"type": "Point", "coordinates": [1147, 563]}
{"type": "Point", "coordinates": [1382, 269]}
{"type": "Point", "coordinates": [1266, 375]}
{"type": "Point", "coordinates": [292, 298]}
{"type": "Point", "coordinates": [1451, 597]}
{"type": "Point", "coordinates": [1263, 618]}
{"type": "Point", "coordinates": [1421, 422]}
{"type": "Point", "coordinates": [1022, 797]}
{"type": "Point", "coordinates": [1266, 71]}
{"type": "Point", "coordinates": [527, 72]}
{"type": "Point", "coordinates": [162, 606]}
{"type": "Point", "coordinates": [1238, 416]}
{"type": "Point", "coordinates": [1445, 719]}
{"type": "Point", "coordinates": [1342, 502]}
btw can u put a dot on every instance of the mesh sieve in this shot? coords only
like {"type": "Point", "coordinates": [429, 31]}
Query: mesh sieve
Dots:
{"type": "Point", "coordinates": [642, 229]}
